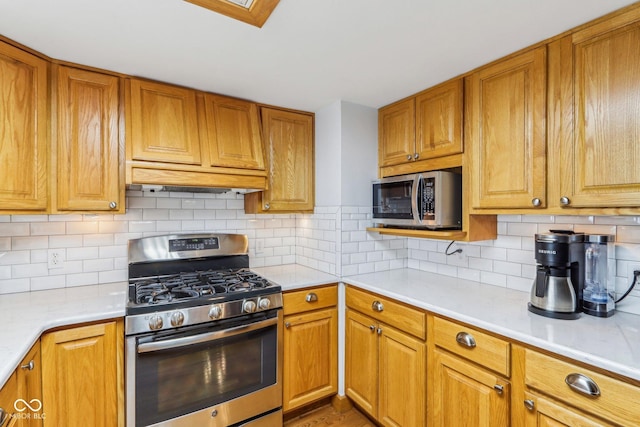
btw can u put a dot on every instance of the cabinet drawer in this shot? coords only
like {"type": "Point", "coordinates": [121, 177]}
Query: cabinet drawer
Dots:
{"type": "Point", "coordinates": [617, 401]}
{"type": "Point", "coordinates": [473, 344]}
{"type": "Point", "coordinates": [400, 316]}
{"type": "Point", "coordinates": [309, 299]}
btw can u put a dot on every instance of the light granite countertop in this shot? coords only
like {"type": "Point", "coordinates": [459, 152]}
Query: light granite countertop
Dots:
{"type": "Point", "coordinates": [612, 344]}
{"type": "Point", "coordinates": [609, 343]}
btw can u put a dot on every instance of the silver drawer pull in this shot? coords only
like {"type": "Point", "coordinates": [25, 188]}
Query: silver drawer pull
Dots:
{"type": "Point", "coordinates": [287, 325]}
{"type": "Point", "coordinates": [377, 306]}
{"type": "Point", "coordinates": [498, 388]}
{"type": "Point", "coordinates": [311, 297]}
{"type": "Point", "coordinates": [529, 404]}
{"type": "Point", "coordinates": [465, 339]}
{"type": "Point", "coordinates": [29, 366]}
{"type": "Point", "coordinates": [582, 384]}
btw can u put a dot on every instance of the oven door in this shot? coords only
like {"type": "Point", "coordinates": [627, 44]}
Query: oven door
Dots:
{"type": "Point", "coordinates": [208, 375]}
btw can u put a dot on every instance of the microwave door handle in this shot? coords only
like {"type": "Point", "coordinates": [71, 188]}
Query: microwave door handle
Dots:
{"type": "Point", "coordinates": [201, 338]}
{"type": "Point", "coordinates": [414, 198]}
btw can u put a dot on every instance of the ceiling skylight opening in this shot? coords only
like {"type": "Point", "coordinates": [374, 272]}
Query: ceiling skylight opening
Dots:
{"type": "Point", "coordinates": [242, 3]}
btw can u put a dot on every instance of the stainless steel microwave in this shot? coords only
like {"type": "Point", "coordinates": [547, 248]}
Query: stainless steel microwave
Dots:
{"type": "Point", "coordinates": [422, 200]}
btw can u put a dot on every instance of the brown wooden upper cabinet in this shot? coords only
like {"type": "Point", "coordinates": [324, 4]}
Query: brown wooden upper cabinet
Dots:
{"type": "Point", "coordinates": [89, 147]}
{"type": "Point", "coordinates": [233, 128]}
{"type": "Point", "coordinates": [289, 145]}
{"type": "Point", "coordinates": [594, 74]}
{"type": "Point", "coordinates": [506, 134]}
{"type": "Point", "coordinates": [24, 138]}
{"type": "Point", "coordinates": [425, 126]}
{"type": "Point", "coordinates": [163, 123]}
{"type": "Point", "coordinates": [179, 136]}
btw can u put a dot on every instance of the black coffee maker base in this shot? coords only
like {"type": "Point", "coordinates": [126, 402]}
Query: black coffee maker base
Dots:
{"type": "Point", "coordinates": [552, 314]}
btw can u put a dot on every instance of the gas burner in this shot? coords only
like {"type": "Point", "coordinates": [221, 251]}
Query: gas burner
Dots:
{"type": "Point", "coordinates": [197, 284]}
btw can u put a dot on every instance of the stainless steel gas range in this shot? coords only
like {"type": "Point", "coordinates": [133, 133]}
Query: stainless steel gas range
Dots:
{"type": "Point", "coordinates": [203, 335]}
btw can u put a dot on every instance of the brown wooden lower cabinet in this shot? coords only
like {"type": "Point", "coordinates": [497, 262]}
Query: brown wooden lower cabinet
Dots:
{"type": "Point", "coordinates": [310, 346]}
{"type": "Point", "coordinates": [81, 375]}
{"type": "Point", "coordinates": [385, 367]}
{"type": "Point", "coordinates": [21, 397]}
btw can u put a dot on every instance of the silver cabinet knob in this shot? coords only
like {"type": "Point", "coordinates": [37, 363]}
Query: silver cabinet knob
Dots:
{"type": "Point", "coordinates": [155, 322]}
{"type": "Point", "coordinates": [372, 328]}
{"type": "Point", "coordinates": [415, 156]}
{"type": "Point", "coordinates": [29, 366]}
{"type": "Point", "coordinates": [582, 384]}
{"type": "Point", "coordinates": [311, 297]}
{"type": "Point", "coordinates": [113, 205]}
{"type": "Point", "coordinates": [465, 339]}
{"type": "Point", "coordinates": [408, 156]}
{"type": "Point", "coordinates": [177, 319]}
{"type": "Point", "coordinates": [536, 202]}
{"type": "Point", "coordinates": [267, 206]}
{"type": "Point", "coordinates": [564, 201]}
{"type": "Point", "coordinates": [377, 306]}
{"type": "Point", "coordinates": [287, 325]}
{"type": "Point", "coordinates": [379, 331]}
{"type": "Point", "coordinates": [498, 388]}
{"type": "Point", "coordinates": [529, 404]}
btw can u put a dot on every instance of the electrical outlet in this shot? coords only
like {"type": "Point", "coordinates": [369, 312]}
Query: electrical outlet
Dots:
{"type": "Point", "coordinates": [55, 258]}
{"type": "Point", "coordinates": [259, 246]}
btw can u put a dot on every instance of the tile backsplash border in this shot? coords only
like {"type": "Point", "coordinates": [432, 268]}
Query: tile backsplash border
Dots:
{"type": "Point", "coordinates": [332, 239]}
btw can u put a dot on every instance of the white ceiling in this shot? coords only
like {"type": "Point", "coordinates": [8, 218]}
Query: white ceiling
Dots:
{"type": "Point", "coordinates": [309, 54]}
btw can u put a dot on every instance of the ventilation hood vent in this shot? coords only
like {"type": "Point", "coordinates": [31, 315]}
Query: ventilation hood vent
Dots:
{"type": "Point", "coordinates": [188, 189]}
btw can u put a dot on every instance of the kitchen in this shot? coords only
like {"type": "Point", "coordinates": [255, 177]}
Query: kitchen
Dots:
{"type": "Point", "coordinates": [92, 248]}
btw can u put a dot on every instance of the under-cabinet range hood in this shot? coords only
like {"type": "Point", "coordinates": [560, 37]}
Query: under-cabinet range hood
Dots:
{"type": "Point", "coordinates": [188, 189]}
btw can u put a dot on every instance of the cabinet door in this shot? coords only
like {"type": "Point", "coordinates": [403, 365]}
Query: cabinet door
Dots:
{"type": "Point", "coordinates": [602, 153]}
{"type": "Point", "coordinates": [163, 123]}
{"type": "Point", "coordinates": [89, 150]}
{"type": "Point", "coordinates": [546, 413]}
{"type": "Point", "coordinates": [79, 376]}
{"type": "Point", "coordinates": [465, 395]}
{"type": "Point", "coordinates": [439, 121]}
{"type": "Point", "coordinates": [396, 133]}
{"type": "Point", "coordinates": [361, 361]}
{"type": "Point", "coordinates": [506, 132]}
{"type": "Point", "coordinates": [289, 142]}
{"type": "Point", "coordinates": [29, 375]}
{"type": "Point", "coordinates": [23, 130]}
{"type": "Point", "coordinates": [233, 129]}
{"type": "Point", "coordinates": [402, 379]}
{"type": "Point", "coordinates": [9, 417]}
{"type": "Point", "coordinates": [310, 357]}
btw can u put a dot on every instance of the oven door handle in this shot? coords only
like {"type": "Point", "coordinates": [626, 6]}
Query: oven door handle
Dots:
{"type": "Point", "coordinates": [210, 336]}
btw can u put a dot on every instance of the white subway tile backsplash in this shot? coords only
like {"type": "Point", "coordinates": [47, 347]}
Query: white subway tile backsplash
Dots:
{"type": "Point", "coordinates": [14, 285]}
{"type": "Point", "coordinates": [13, 229]}
{"type": "Point", "coordinates": [47, 228]}
{"type": "Point", "coordinates": [5, 272]}
{"type": "Point", "coordinates": [155, 214]}
{"type": "Point", "coordinates": [15, 257]}
{"type": "Point", "coordinates": [20, 243]}
{"type": "Point", "coordinates": [82, 279]}
{"type": "Point", "coordinates": [522, 229]}
{"type": "Point", "coordinates": [88, 227]}
{"type": "Point", "coordinates": [29, 270]}
{"type": "Point", "coordinates": [49, 282]}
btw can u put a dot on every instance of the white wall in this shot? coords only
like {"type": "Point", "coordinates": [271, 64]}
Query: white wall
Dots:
{"type": "Point", "coordinates": [327, 154]}
{"type": "Point", "coordinates": [359, 153]}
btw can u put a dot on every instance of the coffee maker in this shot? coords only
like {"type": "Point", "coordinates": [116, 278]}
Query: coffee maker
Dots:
{"type": "Point", "coordinates": [557, 287]}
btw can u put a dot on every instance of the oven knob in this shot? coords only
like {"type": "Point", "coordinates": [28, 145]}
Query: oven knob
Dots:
{"type": "Point", "coordinates": [155, 322]}
{"type": "Point", "coordinates": [249, 307]}
{"type": "Point", "coordinates": [177, 318]}
{"type": "Point", "coordinates": [215, 312]}
{"type": "Point", "coordinates": [264, 303]}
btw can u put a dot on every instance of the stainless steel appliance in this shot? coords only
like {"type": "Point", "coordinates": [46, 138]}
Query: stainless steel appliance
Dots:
{"type": "Point", "coordinates": [554, 293]}
{"type": "Point", "coordinates": [203, 335]}
{"type": "Point", "coordinates": [423, 200]}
